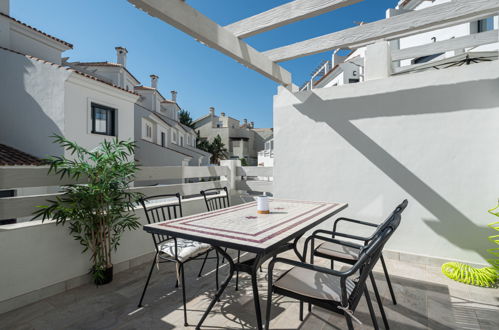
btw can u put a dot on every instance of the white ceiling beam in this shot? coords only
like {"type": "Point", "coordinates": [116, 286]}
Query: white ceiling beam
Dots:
{"type": "Point", "coordinates": [187, 19]}
{"type": "Point", "coordinates": [436, 17]}
{"type": "Point", "coordinates": [288, 13]}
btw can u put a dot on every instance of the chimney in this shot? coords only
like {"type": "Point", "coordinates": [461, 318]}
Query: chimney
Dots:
{"type": "Point", "coordinates": [5, 7]}
{"type": "Point", "coordinates": [174, 96]}
{"type": "Point", "coordinates": [212, 111]}
{"type": "Point", "coordinates": [120, 54]}
{"type": "Point", "coordinates": [154, 81]}
{"type": "Point", "coordinates": [252, 124]}
{"type": "Point", "coordinates": [245, 122]}
{"type": "Point", "coordinates": [222, 114]}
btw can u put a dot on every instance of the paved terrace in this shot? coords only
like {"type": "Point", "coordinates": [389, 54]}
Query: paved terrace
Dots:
{"type": "Point", "coordinates": [426, 300]}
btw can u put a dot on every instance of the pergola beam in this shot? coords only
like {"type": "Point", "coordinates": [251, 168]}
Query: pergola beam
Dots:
{"type": "Point", "coordinates": [187, 19]}
{"type": "Point", "coordinates": [436, 17]}
{"type": "Point", "coordinates": [288, 13]}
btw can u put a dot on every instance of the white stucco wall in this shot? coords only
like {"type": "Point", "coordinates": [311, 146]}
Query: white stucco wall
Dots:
{"type": "Point", "coordinates": [18, 37]}
{"type": "Point", "coordinates": [40, 99]}
{"type": "Point", "coordinates": [80, 93]}
{"type": "Point", "coordinates": [29, 42]}
{"type": "Point", "coordinates": [32, 103]}
{"type": "Point", "coordinates": [45, 255]}
{"type": "Point", "coordinates": [429, 137]}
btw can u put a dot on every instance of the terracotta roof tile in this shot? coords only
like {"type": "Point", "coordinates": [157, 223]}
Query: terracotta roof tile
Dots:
{"type": "Point", "coordinates": [43, 33]}
{"type": "Point", "coordinates": [152, 89]}
{"type": "Point", "coordinates": [10, 156]}
{"type": "Point", "coordinates": [145, 87]}
{"type": "Point", "coordinates": [106, 63]}
{"type": "Point", "coordinates": [98, 64]}
{"type": "Point", "coordinates": [69, 69]}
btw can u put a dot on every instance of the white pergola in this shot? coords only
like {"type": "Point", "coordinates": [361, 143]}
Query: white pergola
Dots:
{"type": "Point", "coordinates": [229, 39]}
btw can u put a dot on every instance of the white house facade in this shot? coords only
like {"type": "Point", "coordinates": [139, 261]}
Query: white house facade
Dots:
{"type": "Point", "coordinates": [349, 68]}
{"type": "Point", "coordinates": [40, 97]}
{"type": "Point", "coordinates": [161, 139]}
{"type": "Point", "coordinates": [242, 141]}
{"type": "Point", "coordinates": [266, 156]}
{"type": "Point", "coordinates": [43, 94]}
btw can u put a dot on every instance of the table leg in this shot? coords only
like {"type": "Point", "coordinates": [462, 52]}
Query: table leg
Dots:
{"type": "Point", "coordinates": [256, 297]}
{"type": "Point", "coordinates": [222, 287]}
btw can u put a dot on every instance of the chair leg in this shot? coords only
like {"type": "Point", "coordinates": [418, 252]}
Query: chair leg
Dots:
{"type": "Point", "coordinates": [237, 271]}
{"type": "Point", "coordinates": [349, 322]}
{"type": "Point", "coordinates": [371, 309]}
{"type": "Point", "coordinates": [388, 280]}
{"type": "Point", "coordinates": [202, 265]}
{"type": "Point", "coordinates": [378, 299]}
{"type": "Point", "coordinates": [183, 293]}
{"type": "Point", "coordinates": [147, 281]}
{"type": "Point", "coordinates": [301, 311]}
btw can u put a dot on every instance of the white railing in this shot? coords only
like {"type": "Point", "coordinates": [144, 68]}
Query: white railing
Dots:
{"type": "Point", "coordinates": [459, 45]}
{"type": "Point", "coordinates": [15, 177]}
{"type": "Point", "coordinates": [255, 178]}
{"type": "Point", "coordinates": [266, 153]}
{"type": "Point", "coordinates": [56, 257]}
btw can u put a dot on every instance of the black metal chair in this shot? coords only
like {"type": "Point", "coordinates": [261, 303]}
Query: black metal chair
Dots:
{"type": "Point", "coordinates": [337, 291]}
{"type": "Point", "coordinates": [349, 252]}
{"type": "Point", "coordinates": [349, 255]}
{"type": "Point", "coordinates": [171, 249]}
{"type": "Point", "coordinates": [216, 199]}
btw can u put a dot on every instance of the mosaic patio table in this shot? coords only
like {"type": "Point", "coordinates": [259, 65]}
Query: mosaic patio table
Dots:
{"type": "Point", "coordinates": [241, 228]}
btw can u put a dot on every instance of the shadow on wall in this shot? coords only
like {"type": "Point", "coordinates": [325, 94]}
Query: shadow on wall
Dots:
{"type": "Point", "coordinates": [451, 223]}
{"type": "Point", "coordinates": [25, 124]}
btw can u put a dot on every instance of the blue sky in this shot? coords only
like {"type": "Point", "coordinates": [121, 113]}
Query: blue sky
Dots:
{"type": "Point", "coordinates": [202, 76]}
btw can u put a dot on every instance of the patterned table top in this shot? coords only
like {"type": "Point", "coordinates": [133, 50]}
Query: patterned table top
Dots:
{"type": "Point", "coordinates": [241, 227]}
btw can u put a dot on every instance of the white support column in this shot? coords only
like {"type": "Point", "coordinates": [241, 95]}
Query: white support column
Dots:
{"type": "Point", "coordinates": [185, 162]}
{"type": "Point", "coordinates": [232, 164]}
{"type": "Point", "coordinates": [378, 61]}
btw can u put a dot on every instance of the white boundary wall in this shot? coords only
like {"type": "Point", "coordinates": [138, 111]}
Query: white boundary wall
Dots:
{"type": "Point", "coordinates": [431, 137]}
{"type": "Point", "coordinates": [39, 259]}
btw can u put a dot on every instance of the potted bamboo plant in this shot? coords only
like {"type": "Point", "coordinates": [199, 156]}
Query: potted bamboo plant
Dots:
{"type": "Point", "coordinates": [98, 212]}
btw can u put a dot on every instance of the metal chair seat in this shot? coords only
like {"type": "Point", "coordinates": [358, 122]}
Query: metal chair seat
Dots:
{"type": "Point", "coordinates": [313, 284]}
{"type": "Point", "coordinates": [186, 249]}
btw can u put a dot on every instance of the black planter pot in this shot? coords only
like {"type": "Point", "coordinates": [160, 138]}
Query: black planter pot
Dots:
{"type": "Point", "coordinates": [107, 277]}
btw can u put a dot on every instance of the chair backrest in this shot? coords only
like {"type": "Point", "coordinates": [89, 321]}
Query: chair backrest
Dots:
{"type": "Point", "coordinates": [216, 198]}
{"type": "Point", "coordinates": [367, 260]}
{"type": "Point", "coordinates": [389, 222]}
{"type": "Point", "coordinates": [161, 208]}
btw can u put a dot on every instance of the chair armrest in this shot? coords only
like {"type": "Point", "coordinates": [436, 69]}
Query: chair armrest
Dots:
{"type": "Point", "coordinates": [335, 233]}
{"type": "Point", "coordinates": [355, 221]}
{"type": "Point", "coordinates": [332, 240]}
{"type": "Point", "coordinates": [308, 266]}
{"type": "Point", "coordinates": [314, 236]}
{"type": "Point", "coordinates": [359, 222]}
